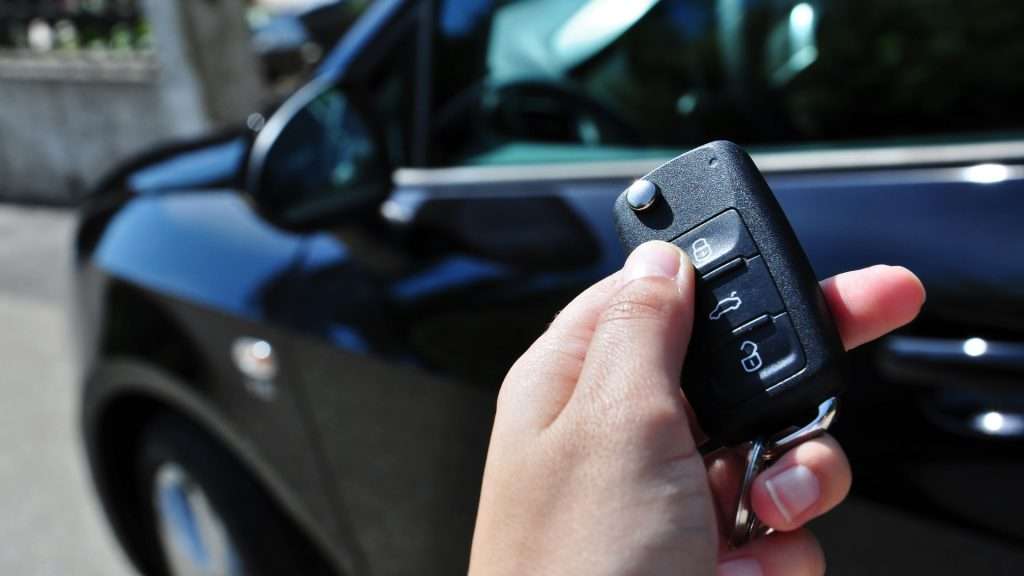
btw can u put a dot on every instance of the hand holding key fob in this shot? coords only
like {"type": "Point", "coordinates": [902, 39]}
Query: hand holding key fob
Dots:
{"type": "Point", "coordinates": [765, 356]}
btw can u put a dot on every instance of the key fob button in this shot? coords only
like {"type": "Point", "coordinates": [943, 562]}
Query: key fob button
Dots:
{"type": "Point", "coordinates": [758, 356]}
{"type": "Point", "coordinates": [735, 294]}
{"type": "Point", "coordinates": [717, 241]}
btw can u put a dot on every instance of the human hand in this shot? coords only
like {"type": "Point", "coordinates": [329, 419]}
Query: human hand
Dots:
{"type": "Point", "coordinates": [593, 465]}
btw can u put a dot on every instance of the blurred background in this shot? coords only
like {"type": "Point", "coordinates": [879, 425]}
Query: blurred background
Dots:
{"type": "Point", "coordinates": [83, 87]}
{"type": "Point", "coordinates": [211, 211]}
{"type": "Point", "coordinates": [77, 69]}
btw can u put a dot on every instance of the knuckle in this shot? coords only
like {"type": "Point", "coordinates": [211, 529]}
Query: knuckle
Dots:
{"type": "Point", "coordinates": [664, 423]}
{"type": "Point", "coordinates": [643, 299]}
{"type": "Point", "coordinates": [654, 414]}
{"type": "Point", "coordinates": [505, 395]}
{"type": "Point", "coordinates": [646, 421]}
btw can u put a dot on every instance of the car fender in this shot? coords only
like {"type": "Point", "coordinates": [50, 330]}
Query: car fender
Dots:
{"type": "Point", "coordinates": [118, 389]}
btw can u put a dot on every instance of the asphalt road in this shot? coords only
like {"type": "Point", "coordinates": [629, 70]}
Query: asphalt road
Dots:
{"type": "Point", "coordinates": [49, 521]}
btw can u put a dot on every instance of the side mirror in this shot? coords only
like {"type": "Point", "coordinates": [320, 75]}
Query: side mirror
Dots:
{"type": "Point", "coordinates": [317, 159]}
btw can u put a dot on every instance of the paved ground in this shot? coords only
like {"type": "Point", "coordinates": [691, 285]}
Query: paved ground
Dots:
{"type": "Point", "coordinates": [49, 523]}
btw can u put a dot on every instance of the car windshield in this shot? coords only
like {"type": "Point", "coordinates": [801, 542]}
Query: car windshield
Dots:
{"type": "Point", "coordinates": [675, 73]}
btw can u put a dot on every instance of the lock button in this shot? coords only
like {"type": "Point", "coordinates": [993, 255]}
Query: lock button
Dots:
{"type": "Point", "coordinates": [760, 354]}
{"type": "Point", "coordinates": [717, 241]}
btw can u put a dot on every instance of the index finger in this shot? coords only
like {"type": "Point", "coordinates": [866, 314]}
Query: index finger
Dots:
{"type": "Point", "coordinates": [870, 302]}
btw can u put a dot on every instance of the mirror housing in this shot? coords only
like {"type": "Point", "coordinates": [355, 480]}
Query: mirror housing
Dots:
{"type": "Point", "coordinates": [318, 159]}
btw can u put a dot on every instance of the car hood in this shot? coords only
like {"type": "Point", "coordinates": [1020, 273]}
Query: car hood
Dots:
{"type": "Point", "coordinates": [214, 162]}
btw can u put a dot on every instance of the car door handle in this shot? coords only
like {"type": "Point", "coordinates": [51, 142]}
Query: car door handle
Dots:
{"type": "Point", "coordinates": [976, 385]}
{"type": "Point", "coordinates": [953, 362]}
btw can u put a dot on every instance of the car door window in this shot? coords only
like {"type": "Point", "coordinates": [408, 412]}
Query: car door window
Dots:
{"type": "Point", "coordinates": [554, 80]}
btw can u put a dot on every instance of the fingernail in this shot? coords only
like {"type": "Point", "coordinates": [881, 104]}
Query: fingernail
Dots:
{"type": "Point", "coordinates": [794, 491]}
{"type": "Point", "coordinates": [657, 259]}
{"type": "Point", "coordinates": [740, 567]}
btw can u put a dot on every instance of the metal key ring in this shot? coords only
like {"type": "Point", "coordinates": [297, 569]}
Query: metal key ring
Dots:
{"type": "Point", "coordinates": [746, 525]}
{"type": "Point", "coordinates": [746, 521]}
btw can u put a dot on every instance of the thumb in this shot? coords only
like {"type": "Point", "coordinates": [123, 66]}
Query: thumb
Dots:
{"type": "Point", "coordinates": [632, 367]}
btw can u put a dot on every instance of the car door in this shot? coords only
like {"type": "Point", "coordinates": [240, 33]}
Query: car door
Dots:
{"type": "Point", "coordinates": [889, 135]}
{"type": "Point", "coordinates": [397, 310]}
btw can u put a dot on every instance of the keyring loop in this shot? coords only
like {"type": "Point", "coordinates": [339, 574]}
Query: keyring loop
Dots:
{"type": "Point", "coordinates": [746, 521]}
{"type": "Point", "coordinates": [746, 525]}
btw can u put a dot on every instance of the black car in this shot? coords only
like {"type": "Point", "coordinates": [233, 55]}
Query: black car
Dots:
{"type": "Point", "coordinates": [292, 338]}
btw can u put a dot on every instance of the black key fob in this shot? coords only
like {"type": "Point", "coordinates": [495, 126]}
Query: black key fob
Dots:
{"type": "Point", "coordinates": [765, 352]}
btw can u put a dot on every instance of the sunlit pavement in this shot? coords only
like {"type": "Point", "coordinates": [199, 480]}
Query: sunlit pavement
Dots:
{"type": "Point", "coordinates": [49, 520]}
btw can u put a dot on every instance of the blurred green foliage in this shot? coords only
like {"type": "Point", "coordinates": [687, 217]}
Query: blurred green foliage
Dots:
{"type": "Point", "coordinates": [67, 26]}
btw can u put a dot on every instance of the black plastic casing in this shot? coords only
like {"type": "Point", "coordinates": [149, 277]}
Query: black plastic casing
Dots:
{"type": "Point", "coordinates": [694, 188]}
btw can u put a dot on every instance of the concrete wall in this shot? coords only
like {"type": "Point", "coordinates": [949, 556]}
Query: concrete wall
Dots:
{"type": "Point", "coordinates": [66, 120]}
{"type": "Point", "coordinates": [59, 133]}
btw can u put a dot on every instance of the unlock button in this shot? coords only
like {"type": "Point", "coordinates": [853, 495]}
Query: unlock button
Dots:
{"type": "Point", "coordinates": [755, 359]}
{"type": "Point", "coordinates": [752, 362]}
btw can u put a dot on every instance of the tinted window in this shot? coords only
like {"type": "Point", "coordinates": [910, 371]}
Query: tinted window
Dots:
{"type": "Point", "coordinates": [389, 91]}
{"type": "Point", "coordinates": [521, 80]}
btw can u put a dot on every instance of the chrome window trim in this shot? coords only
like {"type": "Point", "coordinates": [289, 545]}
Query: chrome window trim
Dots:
{"type": "Point", "coordinates": [769, 162]}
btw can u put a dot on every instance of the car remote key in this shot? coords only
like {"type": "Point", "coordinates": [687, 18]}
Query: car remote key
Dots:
{"type": "Point", "coordinates": [765, 357]}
